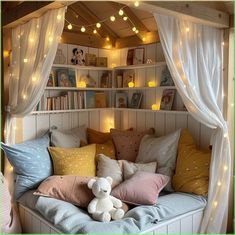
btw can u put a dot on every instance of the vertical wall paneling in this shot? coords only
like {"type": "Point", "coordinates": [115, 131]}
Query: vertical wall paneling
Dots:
{"type": "Point", "coordinates": [132, 119]}
{"type": "Point", "coordinates": [43, 124]}
{"type": "Point", "coordinates": [197, 218]}
{"type": "Point", "coordinates": [187, 225]}
{"type": "Point", "coordinates": [159, 53]}
{"type": "Point", "coordinates": [149, 120]}
{"type": "Point", "coordinates": [169, 123]}
{"type": "Point", "coordinates": [36, 226]}
{"type": "Point", "coordinates": [94, 120]}
{"type": "Point", "coordinates": [174, 228]}
{"type": "Point", "coordinates": [140, 125]}
{"type": "Point", "coordinates": [194, 128]}
{"type": "Point", "coordinates": [29, 127]}
{"type": "Point", "coordinates": [84, 118]}
{"type": "Point", "coordinates": [205, 135]}
{"type": "Point", "coordinates": [44, 228]}
{"type": "Point", "coordinates": [162, 230]}
{"type": "Point", "coordinates": [28, 221]}
{"type": "Point", "coordinates": [74, 119]}
{"type": "Point", "coordinates": [56, 120]}
{"type": "Point", "coordinates": [181, 121]}
{"type": "Point", "coordinates": [117, 119]}
{"type": "Point", "coordinates": [159, 124]}
{"type": "Point", "coordinates": [106, 120]}
{"type": "Point", "coordinates": [66, 121]}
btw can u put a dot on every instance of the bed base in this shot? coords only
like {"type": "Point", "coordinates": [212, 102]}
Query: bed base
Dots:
{"type": "Point", "coordinates": [188, 223]}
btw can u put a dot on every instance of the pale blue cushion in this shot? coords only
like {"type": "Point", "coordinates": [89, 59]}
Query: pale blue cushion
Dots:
{"type": "Point", "coordinates": [31, 162]}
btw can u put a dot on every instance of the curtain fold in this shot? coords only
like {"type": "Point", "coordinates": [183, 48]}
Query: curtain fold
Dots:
{"type": "Point", "coordinates": [194, 57]}
{"type": "Point", "coordinates": [34, 46]}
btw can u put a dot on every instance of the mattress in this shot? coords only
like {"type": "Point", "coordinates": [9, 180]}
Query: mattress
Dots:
{"type": "Point", "coordinates": [71, 219]}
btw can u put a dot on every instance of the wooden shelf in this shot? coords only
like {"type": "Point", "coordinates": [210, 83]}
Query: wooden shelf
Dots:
{"type": "Point", "coordinates": [143, 88]}
{"type": "Point", "coordinates": [82, 67]}
{"type": "Point", "coordinates": [150, 110]}
{"type": "Point", "coordinates": [140, 66]}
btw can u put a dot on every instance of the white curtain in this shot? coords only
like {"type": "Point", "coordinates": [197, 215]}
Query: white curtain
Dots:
{"type": "Point", "coordinates": [34, 46]}
{"type": "Point", "coordinates": [193, 54]}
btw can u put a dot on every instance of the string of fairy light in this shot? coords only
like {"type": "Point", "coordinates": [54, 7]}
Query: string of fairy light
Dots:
{"type": "Point", "coordinates": [97, 25]}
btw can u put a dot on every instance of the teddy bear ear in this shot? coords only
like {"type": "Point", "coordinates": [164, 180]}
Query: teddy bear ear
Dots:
{"type": "Point", "coordinates": [110, 180]}
{"type": "Point", "coordinates": [90, 183]}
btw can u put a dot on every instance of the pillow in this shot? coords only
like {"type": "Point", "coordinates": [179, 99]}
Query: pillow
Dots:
{"type": "Point", "coordinates": [163, 150]}
{"type": "Point", "coordinates": [127, 143]}
{"type": "Point", "coordinates": [141, 189]}
{"type": "Point", "coordinates": [68, 188]}
{"type": "Point", "coordinates": [97, 137]}
{"type": "Point", "coordinates": [107, 149]}
{"type": "Point", "coordinates": [129, 168]}
{"type": "Point", "coordinates": [192, 167]}
{"type": "Point", "coordinates": [69, 138]}
{"type": "Point", "coordinates": [31, 162]}
{"type": "Point", "coordinates": [74, 161]}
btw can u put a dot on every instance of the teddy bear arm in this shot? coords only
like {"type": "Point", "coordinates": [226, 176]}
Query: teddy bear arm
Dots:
{"type": "Point", "coordinates": [116, 202]}
{"type": "Point", "coordinates": [92, 206]}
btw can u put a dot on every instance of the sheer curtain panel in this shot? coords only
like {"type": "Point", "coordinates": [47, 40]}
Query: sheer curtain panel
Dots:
{"type": "Point", "coordinates": [193, 54]}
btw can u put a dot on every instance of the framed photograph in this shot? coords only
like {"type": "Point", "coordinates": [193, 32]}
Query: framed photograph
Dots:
{"type": "Point", "coordinates": [100, 100]}
{"type": "Point", "coordinates": [166, 79]}
{"type": "Point", "coordinates": [101, 61]}
{"type": "Point", "coordinates": [121, 100]}
{"type": "Point", "coordinates": [138, 56]}
{"type": "Point", "coordinates": [66, 77]}
{"type": "Point", "coordinates": [128, 76]}
{"type": "Point", "coordinates": [167, 99]}
{"type": "Point", "coordinates": [136, 100]}
{"type": "Point", "coordinates": [130, 56]}
{"type": "Point", "coordinates": [51, 80]}
{"type": "Point", "coordinates": [90, 59]}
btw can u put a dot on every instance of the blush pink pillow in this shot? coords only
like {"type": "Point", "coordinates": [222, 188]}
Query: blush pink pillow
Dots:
{"type": "Point", "coordinates": [127, 143]}
{"type": "Point", "coordinates": [141, 189]}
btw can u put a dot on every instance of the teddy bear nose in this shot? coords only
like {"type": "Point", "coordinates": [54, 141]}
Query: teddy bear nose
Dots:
{"type": "Point", "coordinates": [105, 191]}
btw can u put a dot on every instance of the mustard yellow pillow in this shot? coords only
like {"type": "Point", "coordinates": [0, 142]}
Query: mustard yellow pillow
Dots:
{"type": "Point", "coordinates": [192, 167]}
{"type": "Point", "coordinates": [107, 149]}
{"type": "Point", "coordinates": [74, 161]}
{"type": "Point", "coordinates": [97, 137]}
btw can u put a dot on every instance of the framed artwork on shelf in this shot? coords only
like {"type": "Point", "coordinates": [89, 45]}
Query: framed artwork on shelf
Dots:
{"type": "Point", "coordinates": [101, 61]}
{"type": "Point", "coordinates": [136, 100]}
{"type": "Point", "coordinates": [166, 79]}
{"type": "Point", "coordinates": [66, 77]}
{"type": "Point", "coordinates": [130, 56]}
{"type": "Point", "coordinates": [128, 76]}
{"type": "Point", "coordinates": [121, 100]}
{"type": "Point", "coordinates": [77, 56]}
{"type": "Point", "coordinates": [167, 99]}
{"type": "Point", "coordinates": [138, 56]}
{"type": "Point", "coordinates": [51, 80]}
{"type": "Point", "coordinates": [90, 59]}
{"type": "Point", "coordinates": [106, 80]}
{"type": "Point", "coordinates": [100, 100]}
{"type": "Point", "coordinates": [60, 58]}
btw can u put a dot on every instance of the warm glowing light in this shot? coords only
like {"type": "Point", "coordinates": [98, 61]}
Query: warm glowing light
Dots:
{"type": "Point", "coordinates": [137, 31]}
{"type": "Point", "coordinates": [24, 96]}
{"type": "Point", "coordinates": [69, 26]}
{"type": "Point", "coordinates": [109, 47]}
{"type": "Point", "coordinates": [15, 127]}
{"type": "Point", "coordinates": [223, 43]}
{"type": "Point", "coordinates": [155, 107]}
{"type": "Point", "coordinates": [113, 65]}
{"type": "Point", "coordinates": [219, 183]}
{"type": "Point", "coordinates": [125, 18]}
{"type": "Point", "coordinates": [31, 40]}
{"type": "Point", "coordinates": [144, 39]}
{"type": "Point", "coordinates": [134, 29]}
{"type": "Point", "coordinates": [18, 36]}
{"type": "Point", "coordinates": [82, 84]}
{"type": "Point", "coordinates": [131, 84]}
{"type": "Point", "coordinates": [225, 168]}
{"type": "Point", "coordinates": [83, 29]}
{"type": "Point", "coordinates": [136, 3]}
{"type": "Point", "coordinates": [215, 203]}
{"type": "Point", "coordinates": [112, 18]}
{"type": "Point", "coordinates": [121, 12]}
{"type": "Point", "coordinates": [58, 17]}
{"type": "Point", "coordinates": [50, 39]}
{"type": "Point", "coordinates": [25, 60]}
{"type": "Point", "coordinates": [45, 56]}
{"type": "Point", "coordinates": [94, 31]}
{"type": "Point", "coordinates": [107, 39]}
{"type": "Point", "coordinates": [152, 84]}
{"type": "Point", "coordinates": [232, 104]}
{"type": "Point", "coordinates": [5, 53]}
{"type": "Point", "coordinates": [225, 135]}
{"type": "Point", "coordinates": [98, 25]}
{"type": "Point", "coordinates": [187, 29]}
{"type": "Point", "coordinates": [34, 79]}
{"type": "Point", "coordinates": [10, 168]}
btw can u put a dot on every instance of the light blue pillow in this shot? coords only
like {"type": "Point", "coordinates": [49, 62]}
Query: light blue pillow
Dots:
{"type": "Point", "coordinates": [31, 162]}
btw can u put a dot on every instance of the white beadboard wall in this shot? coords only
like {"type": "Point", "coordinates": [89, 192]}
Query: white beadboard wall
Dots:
{"type": "Point", "coordinates": [33, 126]}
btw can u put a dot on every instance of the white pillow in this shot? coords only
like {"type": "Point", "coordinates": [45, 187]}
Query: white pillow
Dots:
{"type": "Point", "coordinates": [69, 138]}
{"type": "Point", "coordinates": [163, 150]}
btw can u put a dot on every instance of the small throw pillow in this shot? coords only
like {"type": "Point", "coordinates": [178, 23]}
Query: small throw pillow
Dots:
{"type": "Point", "coordinates": [74, 161]}
{"type": "Point", "coordinates": [31, 162]}
{"type": "Point", "coordinates": [127, 143]}
{"type": "Point", "coordinates": [163, 150]}
{"type": "Point", "coordinates": [141, 189]}
{"type": "Point", "coordinates": [192, 167]}
{"type": "Point", "coordinates": [107, 149]}
{"type": "Point", "coordinates": [68, 188]}
{"type": "Point", "coordinates": [98, 137]}
{"type": "Point", "coordinates": [69, 138]}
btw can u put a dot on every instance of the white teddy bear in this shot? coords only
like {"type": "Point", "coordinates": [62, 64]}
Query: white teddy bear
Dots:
{"type": "Point", "coordinates": [104, 206]}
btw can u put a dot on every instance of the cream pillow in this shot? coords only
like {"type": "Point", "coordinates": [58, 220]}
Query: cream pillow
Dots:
{"type": "Point", "coordinates": [162, 150]}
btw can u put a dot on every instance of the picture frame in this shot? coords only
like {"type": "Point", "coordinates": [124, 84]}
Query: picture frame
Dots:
{"type": "Point", "coordinates": [130, 56]}
{"type": "Point", "coordinates": [51, 80]}
{"type": "Point", "coordinates": [66, 77]}
{"type": "Point", "coordinates": [136, 100]}
{"type": "Point", "coordinates": [138, 57]}
{"type": "Point", "coordinates": [166, 79]}
{"type": "Point", "coordinates": [104, 80]}
{"type": "Point", "coordinates": [128, 76]}
{"type": "Point", "coordinates": [101, 61]}
{"type": "Point", "coordinates": [90, 59]}
{"type": "Point", "coordinates": [121, 100]}
{"type": "Point", "coordinates": [100, 100]}
{"type": "Point", "coordinates": [167, 99]}
{"type": "Point", "coordinates": [89, 99]}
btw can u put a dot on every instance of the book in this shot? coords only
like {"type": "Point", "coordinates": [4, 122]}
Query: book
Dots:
{"type": "Point", "coordinates": [121, 100]}
{"type": "Point", "coordinates": [89, 99]}
{"type": "Point", "coordinates": [100, 100]}
{"type": "Point", "coordinates": [138, 56]}
{"type": "Point", "coordinates": [104, 80]}
{"type": "Point", "coordinates": [128, 76]}
{"type": "Point", "coordinates": [72, 77]}
{"type": "Point", "coordinates": [101, 61]}
{"type": "Point", "coordinates": [136, 100]}
{"type": "Point", "coordinates": [119, 81]}
{"type": "Point", "coordinates": [167, 99]}
{"type": "Point", "coordinates": [166, 79]}
{"type": "Point", "coordinates": [51, 80]}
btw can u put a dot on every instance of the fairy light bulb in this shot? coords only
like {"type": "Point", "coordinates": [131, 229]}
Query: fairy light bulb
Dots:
{"type": "Point", "coordinates": [225, 135]}
{"type": "Point", "coordinates": [222, 43]}
{"type": "Point", "coordinates": [112, 18]}
{"type": "Point", "coordinates": [136, 3]}
{"type": "Point", "coordinates": [58, 17]}
{"type": "Point", "coordinates": [151, 84]}
{"type": "Point", "coordinates": [187, 29]}
{"type": "Point", "coordinates": [125, 18]}
{"type": "Point", "coordinates": [94, 31]}
{"type": "Point", "coordinates": [219, 183]}
{"type": "Point", "coordinates": [50, 39]}
{"type": "Point", "coordinates": [134, 29]}
{"type": "Point", "coordinates": [144, 39]}
{"type": "Point", "coordinates": [131, 84]}
{"type": "Point", "coordinates": [98, 25]}
{"type": "Point", "coordinates": [82, 84]}
{"type": "Point", "coordinates": [69, 26]}
{"type": "Point", "coordinates": [121, 12]}
{"type": "Point", "coordinates": [232, 104]}
{"type": "Point", "coordinates": [31, 40]}
{"type": "Point", "coordinates": [24, 96]}
{"type": "Point", "coordinates": [34, 79]}
{"type": "Point", "coordinates": [83, 29]}
{"type": "Point", "coordinates": [155, 107]}
{"type": "Point", "coordinates": [225, 168]}
{"type": "Point", "coordinates": [137, 31]}
{"type": "Point", "coordinates": [25, 60]}
{"type": "Point", "coordinates": [107, 39]}
{"type": "Point", "coordinates": [215, 203]}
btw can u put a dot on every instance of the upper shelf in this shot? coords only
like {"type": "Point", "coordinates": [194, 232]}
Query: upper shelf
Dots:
{"type": "Point", "coordinates": [141, 66]}
{"type": "Point", "coordinates": [82, 67]}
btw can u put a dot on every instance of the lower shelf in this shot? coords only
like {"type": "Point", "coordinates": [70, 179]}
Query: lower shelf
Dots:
{"type": "Point", "coordinates": [114, 109]}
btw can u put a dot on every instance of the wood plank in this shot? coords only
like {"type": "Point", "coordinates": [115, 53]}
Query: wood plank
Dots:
{"type": "Point", "coordinates": [56, 120]}
{"type": "Point", "coordinates": [186, 225]}
{"type": "Point", "coordinates": [149, 120]}
{"type": "Point", "coordinates": [181, 121]}
{"type": "Point", "coordinates": [22, 217]}
{"type": "Point", "coordinates": [117, 119]}
{"type": "Point", "coordinates": [28, 222]}
{"type": "Point", "coordinates": [29, 128]}
{"type": "Point", "coordinates": [132, 119]}
{"type": "Point", "coordinates": [125, 120]}
{"type": "Point", "coordinates": [43, 124]}
{"type": "Point", "coordinates": [197, 218]}
{"type": "Point", "coordinates": [140, 122]}
{"type": "Point", "coordinates": [170, 123]}
{"type": "Point", "coordinates": [159, 124]}
{"type": "Point", "coordinates": [75, 120]}
{"type": "Point", "coordinates": [161, 230]}
{"type": "Point", "coordinates": [174, 228]}
{"type": "Point", "coordinates": [45, 229]}
{"type": "Point", "coordinates": [84, 119]}
{"type": "Point", "coordinates": [36, 227]}
{"type": "Point", "coordinates": [94, 120]}
{"type": "Point", "coordinates": [66, 121]}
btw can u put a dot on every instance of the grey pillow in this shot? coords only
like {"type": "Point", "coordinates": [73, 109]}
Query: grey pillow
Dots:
{"type": "Point", "coordinates": [163, 150]}
{"type": "Point", "coordinates": [69, 138]}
